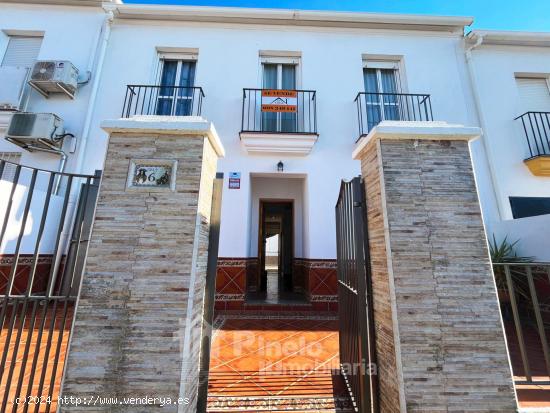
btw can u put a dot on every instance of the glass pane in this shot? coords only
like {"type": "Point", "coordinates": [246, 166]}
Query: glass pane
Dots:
{"type": "Point", "coordinates": [389, 80]}
{"type": "Point", "coordinates": [187, 78]}
{"type": "Point", "coordinates": [371, 82]}
{"type": "Point", "coordinates": [269, 119]}
{"type": "Point", "coordinates": [289, 77]}
{"type": "Point", "coordinates": [269, 76]}
{"type": "Point", "coordinates": [288, 120]}
{"type": "Point", "coordinates": [167, 83]}
{"type": "Point", "coordinates": [389, 85]}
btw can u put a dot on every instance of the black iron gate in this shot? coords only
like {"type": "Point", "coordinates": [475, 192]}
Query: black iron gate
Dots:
{"type": "Point", "coordinates": [45, 220]}
{"type": "Point", "coordinates": [210, 293]}
{"type": "Point", "coordinates": [357, 351]}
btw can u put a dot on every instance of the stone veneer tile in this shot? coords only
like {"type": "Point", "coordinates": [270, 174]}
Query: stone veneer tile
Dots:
{"type": "Point", "coordinates": [450, 349]}
{"type": "Point", "coordinates": [132, 320]}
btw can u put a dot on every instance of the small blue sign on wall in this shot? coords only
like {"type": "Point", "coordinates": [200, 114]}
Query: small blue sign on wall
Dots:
{"type": "Point", "coordinates": [234, 180]}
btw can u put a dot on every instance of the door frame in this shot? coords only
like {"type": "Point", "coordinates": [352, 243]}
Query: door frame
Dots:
{"type": "Point", "coordinates": [261, 246]}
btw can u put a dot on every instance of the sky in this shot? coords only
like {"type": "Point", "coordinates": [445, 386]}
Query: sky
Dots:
{"type": "Point", "coordinates": [525, 15]}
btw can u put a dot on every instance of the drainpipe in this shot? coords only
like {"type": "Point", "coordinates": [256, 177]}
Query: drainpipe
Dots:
{"type": "Point", "coordinates": [102, 46]}
{"type": "Point", "coordinates": [483, 124]}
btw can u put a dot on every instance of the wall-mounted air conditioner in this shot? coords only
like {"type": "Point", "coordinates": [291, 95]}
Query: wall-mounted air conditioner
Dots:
{"type": "Point", "coordinates": [54, 76]}
{"type": "Point", "coordinates": [12, 87]}
{"type": "Point", "coordinates": [36, 131]}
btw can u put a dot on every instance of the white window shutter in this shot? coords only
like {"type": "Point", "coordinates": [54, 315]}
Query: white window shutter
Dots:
{"type": "Point", "coordinates": [22, 51]}
{"type": "Point", "coordinates": [534, 94]}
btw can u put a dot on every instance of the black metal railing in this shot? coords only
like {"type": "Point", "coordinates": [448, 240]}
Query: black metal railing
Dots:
{"type": "Point", "coordinates": [524, 295]}
{"type": "Point", "coordinates": [373, 108]}
{"type": "Point", "coordinates": [162, 101]}
{"type": "Point", "coordinates": [43, 238]}
{"type": "Point", "coordinates": [355, 300]}
{"type": "Point", "coordinates": [536, 126]}
{"type": "Point", "coordinates": [279, 111]}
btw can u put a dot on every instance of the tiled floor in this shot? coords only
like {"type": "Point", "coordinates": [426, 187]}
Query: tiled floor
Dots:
{"type": "Point", "coordinates": [41, 351]}
{"type": "Point", "coordinates": [533, 395]}
{"type": "Point", "coordinates": [276, 365]}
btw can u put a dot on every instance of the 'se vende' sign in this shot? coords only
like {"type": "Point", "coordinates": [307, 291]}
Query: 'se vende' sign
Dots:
{"type": "Point", "coordinates": [279, 100]}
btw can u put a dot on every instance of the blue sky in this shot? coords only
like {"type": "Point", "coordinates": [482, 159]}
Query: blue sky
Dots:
{"type": "Point", "coordinates": [528, 15]}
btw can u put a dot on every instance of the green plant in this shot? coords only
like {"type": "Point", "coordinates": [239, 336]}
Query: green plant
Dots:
{"type": "Point", "coordinates": [505, 253]}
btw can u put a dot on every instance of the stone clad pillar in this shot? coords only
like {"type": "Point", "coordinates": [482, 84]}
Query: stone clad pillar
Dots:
{"type": "Point", "coordinates": [138, 321]}
{"type": "Point", "coordinates": [439, 335]}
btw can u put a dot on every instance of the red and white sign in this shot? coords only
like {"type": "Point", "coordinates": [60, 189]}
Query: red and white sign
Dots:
{"type": "Point", "coordinates": [234, 180]}
{"type": "Point", "coordinates": [274, 100]}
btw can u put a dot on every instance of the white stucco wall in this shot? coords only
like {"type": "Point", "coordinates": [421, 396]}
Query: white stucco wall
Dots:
{"type": "Point", "coordinates": [495, 69]}
{"type": "Point", "coordinates": [70, 33]}
{"type": "Point", "coordinates": [331, 64]}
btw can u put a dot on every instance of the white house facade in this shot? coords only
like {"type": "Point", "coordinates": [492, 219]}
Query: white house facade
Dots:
{"type": "Point", "coordinates": [287, 99]}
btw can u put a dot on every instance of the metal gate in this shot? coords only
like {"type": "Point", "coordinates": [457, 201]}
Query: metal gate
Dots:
{"type": "Point", "coordinates": [210, 293]}
{"type": "Point", "coordinates": [357, 345]}
{"type": "Point", "coordinates": [46, 220]}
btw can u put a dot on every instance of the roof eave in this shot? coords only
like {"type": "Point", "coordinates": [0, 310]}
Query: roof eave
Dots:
{"type": "Point", "coordinates": [291, 17]}
{"type": "Point", "coordinates": [510, 38]}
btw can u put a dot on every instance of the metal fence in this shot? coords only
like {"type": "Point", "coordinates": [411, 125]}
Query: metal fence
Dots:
{"type": "Point", "coordinates": [357, 342]}
{"type": "Point", "coordinates": [373, 108]}
{"type": "Point", "coordinates": [259, 114]}
{"type": "Point", "coordinates": [536, 126]}
{"type": "Point", "coordinates": [162, 100]}
{"type": "Point", "coordinates": [524, 295]}
{"type": "Point", "coordinates": [43, 245]}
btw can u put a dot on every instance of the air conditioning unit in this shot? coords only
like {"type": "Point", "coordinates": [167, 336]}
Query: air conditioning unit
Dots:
{"type": "Point", "coordinates": [54, 76]}
{"type": "Point", "coordinates": [36, 131]}
{"type": "Point", "coordinates": [13, 80]}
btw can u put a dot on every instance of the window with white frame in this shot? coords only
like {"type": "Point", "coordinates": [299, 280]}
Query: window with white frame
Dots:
{"type": "Point", "coordinates": [176, 81]}
{"type": "Point", "coordinates": [282, 73]}
{"type": "Point", "coordinates": [13, 159]}
{"type": "Point", "coordinates": [382, 86]}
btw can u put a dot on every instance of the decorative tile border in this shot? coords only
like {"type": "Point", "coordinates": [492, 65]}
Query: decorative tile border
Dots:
{"type": "Point", "coordinates": [25, 259]}
{"type": "Point", "coordinates": [230, 297]}
{"type": "Point", "coordinates": [323, 298]}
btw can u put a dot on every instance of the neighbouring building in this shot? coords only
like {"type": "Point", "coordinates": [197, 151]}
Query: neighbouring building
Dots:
{"type": "Point", "coordinates": [277, 101]}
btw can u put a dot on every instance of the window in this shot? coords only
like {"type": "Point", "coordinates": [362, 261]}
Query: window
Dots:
{"type": "Point", "coordinates": [176, 93]}
{"type": "Point", "coordinates": [279, 72]}
{"type": "Point", "coordinates": [381, 87]}
{"type": "Point", "coordinates": [9, 167]}
{"type": "Point", "coordinates": [22, 51]}
{"type": "Point", "coordinates": [523, 207]}
{"type": "Point", "coordinates": [534, 94]}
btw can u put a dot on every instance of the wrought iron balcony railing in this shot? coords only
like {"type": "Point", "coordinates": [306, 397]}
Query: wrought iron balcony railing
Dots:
{"type": "Point", "coordinates": [279, 111]}
{"type": "Point", "coordinates": [373, 108]}
{"type": "Point", "coordinates": [536, 126]}
{"type": "Point", "coordinates": [162, 100]}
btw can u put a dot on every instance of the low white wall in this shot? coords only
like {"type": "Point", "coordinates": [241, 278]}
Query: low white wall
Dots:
{"type": "Point", "coordinates": [32, 225]}
{"type": "Point", "coordinates": [533, 234]}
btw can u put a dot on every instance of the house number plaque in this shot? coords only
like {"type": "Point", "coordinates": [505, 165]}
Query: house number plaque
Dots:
{"type": "Point", "coordinates": [152, 173]}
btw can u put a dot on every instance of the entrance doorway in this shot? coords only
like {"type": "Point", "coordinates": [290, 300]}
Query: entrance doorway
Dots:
{"type": "Point", "coordinates": [276, 249]}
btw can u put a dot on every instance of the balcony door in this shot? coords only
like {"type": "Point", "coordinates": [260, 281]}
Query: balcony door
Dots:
{"type": "Point", "coordinates": [382, 103]}
{"type": "Point", "coordinates": [279, 76]}
{"type": "Point", "coordinates": [175, 91]}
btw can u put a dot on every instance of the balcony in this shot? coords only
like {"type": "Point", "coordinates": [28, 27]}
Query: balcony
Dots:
{"type": "Point", "coordinates": [162, 101]}
{"type": "Point", "coordinates": [279, 121]}
{"type": "Point", "coordinates": [536, 127]}
{"type": "Point", "coordinates": [373, 108]}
